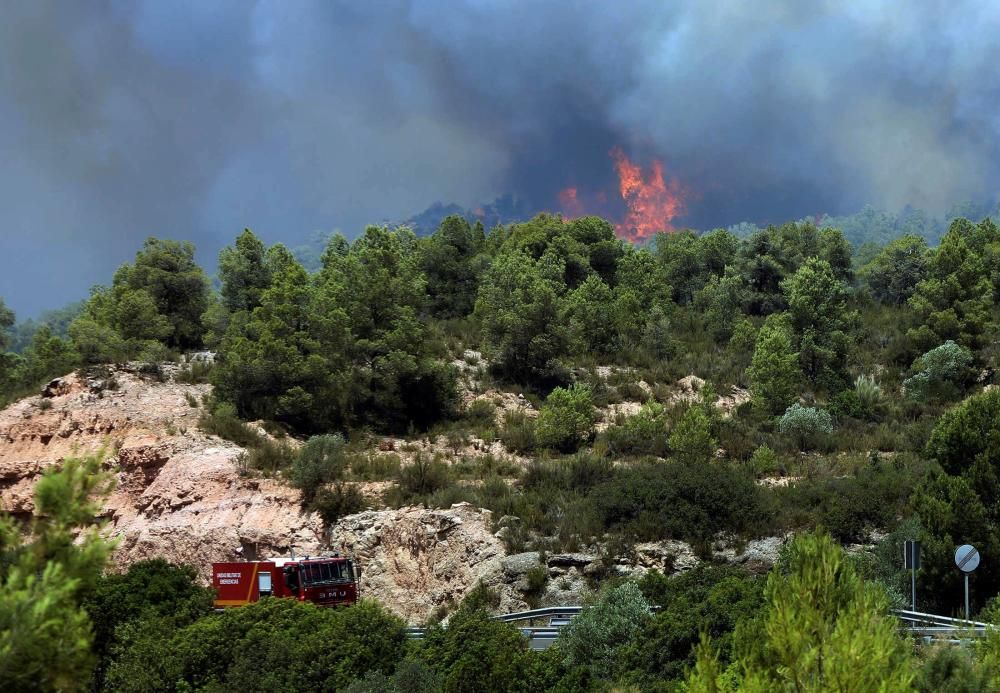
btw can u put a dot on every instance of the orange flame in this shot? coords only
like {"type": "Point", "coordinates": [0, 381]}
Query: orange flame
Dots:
{"type": "Point", "coordinates": [652, 202]}
{"type": "Point", "coordinates": [570, 204]}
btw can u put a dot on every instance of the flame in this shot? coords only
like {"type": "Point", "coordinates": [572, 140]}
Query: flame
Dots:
{"type": "Point", "coordinates": [570, 204]}
{"type": "Point", "coordinates": [652, 202]}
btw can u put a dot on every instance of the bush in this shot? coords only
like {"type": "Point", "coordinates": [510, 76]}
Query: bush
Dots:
{"type": "Point", "coordinates": [805, 425]}
{"type": "Point", "coordinates": [375, 467]}
{"type": "Point", "coordinates": [275, 644]}
{"type": "Point", "coordinates": [481, 413]}
{"type": "Point", "coordinates": [763, 461]}
{"type": "Point", "coordinates": [339, 501]}
{"type": "Point", "coordinates": [694, 502]}
{"type": "Point", "coordinates": [966, 432]}
{"type": "Point", "coordinates": [320, 461]}
{"type": "Point", "coordinates": [708, 599]}
{"type": "Point", "coordinates": [691, 440]}
{"type": "Point", "coordinates": [868, 391]}
{"type": "Point", "coordinates": [566, 419]}
{"type": "Point", "coordinates": [222, 421]}
{"type": "Point", "coordinates": [642, 434]}
{"type": "Point", "coordinates": [941, 373]}
{"type": "Point", "coordinates": [476, 653]}
{"type": "Point", "coordinates": [518, 432]}
{"type": "Point", "coordinates": [271, 456]}
{"type": "Point", "coordinates": [596, 637]}
{"type": "Point", "coordinates": [195, 373]}
{"type": "Point", "coordinates": [422, 478]}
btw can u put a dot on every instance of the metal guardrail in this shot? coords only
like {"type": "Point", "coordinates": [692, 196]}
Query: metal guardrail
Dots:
{"type": "Point", "coordinates": [539, 637]}
{"type": "Point", "coordinates": [945, 628]}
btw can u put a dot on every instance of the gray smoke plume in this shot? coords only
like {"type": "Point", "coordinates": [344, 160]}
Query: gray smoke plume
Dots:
{"type": "Point", "coordinates": [192, 119]}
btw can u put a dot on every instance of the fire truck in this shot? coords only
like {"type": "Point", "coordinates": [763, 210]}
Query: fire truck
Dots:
{"type": "Point", "coordinates": [326, 581]}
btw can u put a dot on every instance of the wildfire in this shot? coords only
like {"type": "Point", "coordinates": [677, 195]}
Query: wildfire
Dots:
{"type": "Point", "coordinates": [651, 202]}
{"type": "Point", "coordinates": [570, 203]}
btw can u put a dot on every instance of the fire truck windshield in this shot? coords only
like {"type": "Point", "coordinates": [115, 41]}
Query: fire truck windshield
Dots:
{"type": "Point", "coordinates": [330, 571]}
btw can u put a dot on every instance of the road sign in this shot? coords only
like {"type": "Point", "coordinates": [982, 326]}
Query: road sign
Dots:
{"type": "Point", "coordinates": [911, 555]}
{"type": "Point", "coordinates": [967, 558]}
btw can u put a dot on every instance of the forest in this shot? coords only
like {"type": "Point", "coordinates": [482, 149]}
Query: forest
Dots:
{"type": "Point", "coordinates": [871, 415]}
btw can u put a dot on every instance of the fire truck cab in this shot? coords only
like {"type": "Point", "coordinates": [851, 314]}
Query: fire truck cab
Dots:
{"type": "Point", "coordinates": [326, 581]}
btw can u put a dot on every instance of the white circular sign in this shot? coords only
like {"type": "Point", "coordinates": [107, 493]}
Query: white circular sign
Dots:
{"type": "Point", "coordinates": [967, 558]}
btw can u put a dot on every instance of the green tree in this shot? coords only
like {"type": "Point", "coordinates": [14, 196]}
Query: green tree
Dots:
{"type": "Point", "coordinates": [398, 379]}
{"type": "Point", "coordinates": [45, 634]}
{"type": "Point", "coordinates": [836, 251]}
{"type": "Point", "coordinates": [709, 599]}
{"type": "Point", "coordinates": [244, 272]}
{"type": "Point", "coordinates": [452, 259]}
{"type": "Point", "coordinates": [892, 276]}
{"type": "Point", "coordinates": [762, 265]}
{"type": "Point", "coordinates": [691, 439]}
{"type": "Point", "coordinates": [150, 589]}
{"type": "Point", "coordinates": [817, 304]}
{"type": "Point", "coordinates": [47, 357]}
{"type": "Point", "coordinates": [566, 419]}
{"type": "Point", "coordinates": [954, 301]}
{"type": "Point", "coordinates": [287, 360]}
{"type": "Point", "coordinates": [520, 311]}
{"type": "Point", "coordinates": [275, 644]}
{"type": "Point", "coordinates": [6, 323]}
{"type": "Point", "coordinates": [167, 272]}
{"type": "Point", "coordinates": [596, 638]}
{"type": "Point", "coordinates": [590, 311]}
{"type": "Point", "coordinates": [774, 370]}
{"type": "Point", "coordinates": [476, 653]}
{"type": "Point", "coordinates": [824, 628]}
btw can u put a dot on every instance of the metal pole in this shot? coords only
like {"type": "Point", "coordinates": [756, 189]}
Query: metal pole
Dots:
{"type": "Point", "coordinates": [966, 597]}
{"type": "Point", "coordinates": [913, 587]}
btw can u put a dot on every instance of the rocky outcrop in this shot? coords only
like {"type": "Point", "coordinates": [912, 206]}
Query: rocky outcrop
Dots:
{"type": "Point", "coordinates": [179, 493]}
{"type": "Point", "coordinates": [416, 560]}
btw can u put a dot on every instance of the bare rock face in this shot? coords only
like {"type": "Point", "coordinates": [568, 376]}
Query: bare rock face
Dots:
{"type": "Point", "coordinates": [179, 494]}
{"type": "Point", "coordinates": [416, 560]}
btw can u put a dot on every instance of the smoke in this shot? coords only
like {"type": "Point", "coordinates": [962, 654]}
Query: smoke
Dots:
{"type": "Point", "coordinates": [120, 120]}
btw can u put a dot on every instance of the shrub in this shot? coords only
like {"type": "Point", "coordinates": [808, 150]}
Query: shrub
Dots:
{"type": "Point", "coordinates": [320, 461]}
{"type": "Point", "coordinates": [691, 440]}
{"type": "Point", "coordinates": [763, 461]}
{"type": "Point", "coordinates": [518, 432]}
{"type": "Point", "coordinates": [270, 456]}
{"type": "Point", "coordinates": [868, 391]}
{"type": "Point", "coordinates": [805, 425]}
{"type": "Point", "coordinates": [941, 373]}
{"type": "Point", "coordinates": [694, 502]}
{"type": "Point", "coordinates": [476, 653]}
{"type": "Point", "coordinates": [375, 467]}
{"type": "Point", "coordinates": [275, 644]}
{"type": "Point", "coordinates": [966, 432]}
{"type": "Point", "coordinates": [481, 413]}
{"type": "Point", "coordinates": [222, 421]}
{"type": "Point", "coordinates": [566, 419]}
{"type": "Point", "coordinates": [195, 373]}
{"type": "Point", "coordinates": [340, 500]}
{"type": "Point", "coordinates": [707, 599]}
{"type": "Point", "coordinates": [642, 434]}
{"type": "Point", "coordinates": [596, 637]}
{"type": "Point", "coordinates": [423, 477]}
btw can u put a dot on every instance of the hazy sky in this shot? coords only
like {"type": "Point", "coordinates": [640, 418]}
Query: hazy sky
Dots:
{"type": "Point", "coordinates": [192, 119]}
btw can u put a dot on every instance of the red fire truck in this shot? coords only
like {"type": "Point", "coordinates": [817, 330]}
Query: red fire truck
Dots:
{"type": "Point", "coordinates": [327, 581]}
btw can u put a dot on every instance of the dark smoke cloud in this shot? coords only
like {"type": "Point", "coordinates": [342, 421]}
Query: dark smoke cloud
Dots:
{"type": "Point", "coordinates": [120, 120]}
